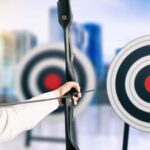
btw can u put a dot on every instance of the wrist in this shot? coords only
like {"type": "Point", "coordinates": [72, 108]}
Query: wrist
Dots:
{"type": "Point", "coordinates": [58, 93]}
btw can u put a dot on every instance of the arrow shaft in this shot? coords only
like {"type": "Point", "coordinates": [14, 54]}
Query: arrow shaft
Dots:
{"type": "Point", "coordinates": [42, 100]}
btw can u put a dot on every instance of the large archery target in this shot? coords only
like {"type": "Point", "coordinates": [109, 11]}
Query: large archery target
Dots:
{"type": "Point", "coordinates": [43, 70]}
{"type": "Point", "coordinates": [128, 83]}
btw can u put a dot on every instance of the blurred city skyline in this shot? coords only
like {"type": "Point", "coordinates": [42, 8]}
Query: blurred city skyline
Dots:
{"type": "Point", "coordinates": [121, 21]}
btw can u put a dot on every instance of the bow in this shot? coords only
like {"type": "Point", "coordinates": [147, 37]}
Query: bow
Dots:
{"type": "Point", "coordinates": [65, 19]}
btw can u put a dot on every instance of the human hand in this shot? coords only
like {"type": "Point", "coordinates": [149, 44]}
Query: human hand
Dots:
{"type": "Point", "coordinates": [66, 88]}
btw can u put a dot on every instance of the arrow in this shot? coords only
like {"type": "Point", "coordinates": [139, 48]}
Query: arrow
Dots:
{"type": "Point", "coordinates": [42, 100]}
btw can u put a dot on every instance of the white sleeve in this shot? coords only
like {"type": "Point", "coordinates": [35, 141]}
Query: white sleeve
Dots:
{"type": "Point", "coordinates": [19, 118]}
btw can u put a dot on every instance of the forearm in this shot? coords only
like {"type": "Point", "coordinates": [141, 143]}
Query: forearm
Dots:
{"type": "Point", "coordinates": [19, 118]}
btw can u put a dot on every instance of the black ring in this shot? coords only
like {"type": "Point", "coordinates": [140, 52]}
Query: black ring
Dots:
{"type": "Point", "coordinates": [139, 84]}
{"type": "Point", "coordinates": [120, 84]}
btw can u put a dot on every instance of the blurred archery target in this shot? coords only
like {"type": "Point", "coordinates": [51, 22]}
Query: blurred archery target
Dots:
{"type": "Point", "coordinates": [43, 70]}
{"type": "Point", "coordinates": [128, 83]}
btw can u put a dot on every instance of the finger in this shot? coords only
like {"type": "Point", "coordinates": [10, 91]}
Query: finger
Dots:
{"type": "Point", "coordinates": [79, 95]}
{"type": "Point", "coordinates": [69, 85]}
{"type": "Point", "coordinates": [75, 86]}
{"type": "Point", "coordinates": [74, 100]}
{"type": "Point", "coordinates": [75, 103]}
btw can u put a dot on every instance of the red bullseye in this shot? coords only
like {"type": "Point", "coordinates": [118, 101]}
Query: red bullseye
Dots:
{"type": "Point", "coordinates": [147, 84]}
{"type": "Point", "coordinates": [52, 81]}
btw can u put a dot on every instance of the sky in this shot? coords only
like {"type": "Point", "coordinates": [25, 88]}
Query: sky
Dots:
{"type": "Point", "coordinates": [121, 20]}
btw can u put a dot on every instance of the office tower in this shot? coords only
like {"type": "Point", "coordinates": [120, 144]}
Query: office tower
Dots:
{"type": "Point", "coordinates": [93, 48]}
{"type": "Point", "coordinates": [25, 41]}
{"type": "Point", "coordinates": [56, 32]}
{"type": "Point", "coordinates": [13, 46]}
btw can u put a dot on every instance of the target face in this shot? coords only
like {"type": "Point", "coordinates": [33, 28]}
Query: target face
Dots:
{"type": "Point", "coordinates": [128, 83]}
{"type": "Point", "coordinates": [43, 70]}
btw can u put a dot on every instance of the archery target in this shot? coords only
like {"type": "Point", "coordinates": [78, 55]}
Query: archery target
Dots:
{"type": "Point", "coordinates": [128, 83]}
{"type": "Point", "coordinates": [43, 70]}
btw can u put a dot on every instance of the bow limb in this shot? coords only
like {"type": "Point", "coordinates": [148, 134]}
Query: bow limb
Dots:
{"type": "Point", "coordinates": [65, 18]}
{"type": "Point", "coordinates": [70, 74]}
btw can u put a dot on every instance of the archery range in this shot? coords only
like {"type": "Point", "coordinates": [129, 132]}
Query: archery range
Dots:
{"type": "Point", "coordinates": [111, 42]}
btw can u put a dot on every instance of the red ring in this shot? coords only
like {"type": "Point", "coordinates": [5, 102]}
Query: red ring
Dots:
{"type": "Point", "coordinates": [52, 81]}
{"type": "Point", "coordinates": [147, 84]}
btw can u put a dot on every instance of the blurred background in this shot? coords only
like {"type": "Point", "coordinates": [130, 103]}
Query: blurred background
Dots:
{"type": "Point", "coordinates": [100, 29]}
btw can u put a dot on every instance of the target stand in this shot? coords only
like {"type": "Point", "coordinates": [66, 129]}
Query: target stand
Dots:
{"type": "Point", "coordinates": [42, 70]}
{"type": "Point", "coordinates": [128, 86]}
{"type": "Point", "coordinates": [30, 137]}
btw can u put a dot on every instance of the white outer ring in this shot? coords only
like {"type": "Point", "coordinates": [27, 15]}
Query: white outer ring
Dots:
{"type": "Point", "coordinates": [89, 69]}
{"type": "Point", "coordinates": [111, 78]}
